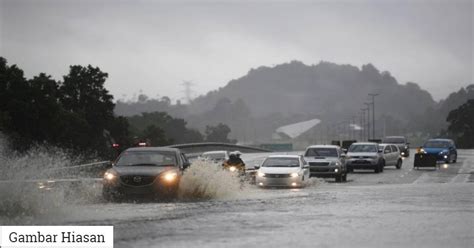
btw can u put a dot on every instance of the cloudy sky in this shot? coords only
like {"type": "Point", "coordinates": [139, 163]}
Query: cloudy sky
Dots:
{"type": "Point", "coordinates": [153, 46]}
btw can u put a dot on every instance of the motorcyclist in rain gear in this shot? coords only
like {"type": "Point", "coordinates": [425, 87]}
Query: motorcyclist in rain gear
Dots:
{"type": "Point", "coordinates": [235, 163]}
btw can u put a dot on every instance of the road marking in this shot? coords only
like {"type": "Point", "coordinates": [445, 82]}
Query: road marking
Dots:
{"type": "Point", "coordinates": [464, 172]}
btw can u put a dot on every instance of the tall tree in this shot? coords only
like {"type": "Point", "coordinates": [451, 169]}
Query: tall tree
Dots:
{"type": "Point", "coordinates": [461, 125]}
{"type": "Point", "coordinates": [218, 133]}
{"type": "Point", "coordinates": [89, 106]}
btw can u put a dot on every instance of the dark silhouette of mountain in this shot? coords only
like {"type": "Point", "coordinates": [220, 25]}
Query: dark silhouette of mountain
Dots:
{"type": "Point", "coordinates": [254, 105]}
{"type": "Point", "coordinates": [328, 90]}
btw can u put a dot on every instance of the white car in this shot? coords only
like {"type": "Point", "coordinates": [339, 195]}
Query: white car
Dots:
{"type": "Point", "coordinates": [216, 156]}
{"type": "Point", "coordinates": [391, 155]}
{"type": "Point", "coordinates": [282, 170]}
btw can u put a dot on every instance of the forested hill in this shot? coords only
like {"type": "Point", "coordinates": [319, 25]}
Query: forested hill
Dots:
{"type": "Point", "coordinates": [325, 89]}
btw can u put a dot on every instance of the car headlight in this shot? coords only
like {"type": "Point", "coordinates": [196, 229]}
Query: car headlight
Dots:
{"type": "Point", "coordinates": [232, 168]}
{"type": "Point", "coordinates": [261, 174]}
{"type": "Point", "coordinates": [170, 176]}
{"type": "Point", "coordinates": [109, 176]}
{"type": "Point", "coordinates": [294, 174]}
{"type": "Point", "coordinates": [335, 163]}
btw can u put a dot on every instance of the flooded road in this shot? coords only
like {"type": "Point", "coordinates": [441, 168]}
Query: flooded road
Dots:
{"type": "Point", "coordinates": [396, 208]}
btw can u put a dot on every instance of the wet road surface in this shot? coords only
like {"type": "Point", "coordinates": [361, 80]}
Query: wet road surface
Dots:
{"type": "Point", "coordinates": [396, 208]}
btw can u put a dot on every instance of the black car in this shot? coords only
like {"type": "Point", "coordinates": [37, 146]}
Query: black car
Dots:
{"type": "Point", "coordinates": [401, 142]}
{"type": "Point", "coordinates": [145, 172]}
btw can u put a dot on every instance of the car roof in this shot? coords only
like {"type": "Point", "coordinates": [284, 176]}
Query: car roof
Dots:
{"type": "Point", "coordinates": [365, 143]}
{"type": "Point", "coordinates": [323, 146]}
{"type": "Point", "coordinates": [283, 156]}
{"type": "Point", "coordinates": [152, 149]}
{"type": "Point", "coordinates": [394, 137]}
{"type": "Point", "coordinates": [214, 152]}
{"type": "Point", "coordinates": [387, 144]}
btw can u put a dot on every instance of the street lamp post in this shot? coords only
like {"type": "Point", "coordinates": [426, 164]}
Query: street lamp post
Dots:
{"type": "Point", "coordinates": [368, 119]}
{"type": "Point", "coordinates": [362, 123]}
{"type": "Point", "coordinates": [373, 113]}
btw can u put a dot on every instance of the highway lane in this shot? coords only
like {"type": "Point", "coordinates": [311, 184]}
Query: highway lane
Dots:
{"type": "Point", "coordinates": [396, 208]}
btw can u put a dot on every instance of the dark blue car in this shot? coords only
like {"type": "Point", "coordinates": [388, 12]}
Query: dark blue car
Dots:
{"type": "Point", "coordinates": [443, 149]}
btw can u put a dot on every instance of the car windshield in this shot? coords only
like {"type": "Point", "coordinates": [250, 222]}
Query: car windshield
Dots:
{"type": "Point", "coordinates": [281, 162]}
{"type": "Point", "coordinates": [394, 140]}
{"type": "Point", "coordinates": [147, 158]}
{"type": "Point", "coordinates": [363, 148]}
{"type": "Point", "coordinates": [214, 156]}
{"type": "Point", "coordinates": [436, 144]}
{"type": "Point", "coordinates": [321, 152]}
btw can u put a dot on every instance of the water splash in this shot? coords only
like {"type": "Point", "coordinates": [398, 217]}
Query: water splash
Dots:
{"type": "Point", "coordinates": [207, 180]}
{"type": "Point", "coordinates": [25, 192]}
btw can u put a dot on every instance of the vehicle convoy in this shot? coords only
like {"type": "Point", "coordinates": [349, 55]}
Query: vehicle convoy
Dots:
{"type": "Point", "coordinates": [443, 149]}
{"type": "Point", "coordinates": [326, 161]}
{"type": "Point", "coordinates": [401, 142]}
{"type": "Point", "coordinates": [283, 171]}
{"type": "Point", "coordinates": [364, 155]}
{"type": "Point", "coordinates": [145, 172]}
{"type": "Point", "coordinates": [391, 155]}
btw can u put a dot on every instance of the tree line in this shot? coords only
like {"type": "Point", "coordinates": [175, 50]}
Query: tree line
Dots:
{"type": "Point", "coordinates": [77, 113]}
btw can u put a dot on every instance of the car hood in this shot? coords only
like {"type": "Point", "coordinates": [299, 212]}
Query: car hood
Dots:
{"type": "Point", "coordinates": [279, 170]}
{"type": "Point", "coordinates": [142, 170]}
{"type": "Point", "coordinates": [432, 150]}
{"type": "Point", "coordinates": [321, 159]}
{"type": "Point", "coordinates": [362, 154]}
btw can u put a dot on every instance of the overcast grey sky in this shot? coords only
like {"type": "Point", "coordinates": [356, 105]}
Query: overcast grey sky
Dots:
{"type": "Point", "coordinates": [154, 45]}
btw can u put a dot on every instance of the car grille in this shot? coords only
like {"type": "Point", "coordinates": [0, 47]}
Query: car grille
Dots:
{"type": "Point", "coordinates": [277, 175]}
{"type": "Point", "coordinates": [318, 163]}
{"type": "Point", "coordinates": [361, 162]}
{"type": "Point", "coordinates": [135, 180]}
{"type": "Point", "coordinates": [312, 170]}
{"type": "Point", "coordinates": [361, 157]}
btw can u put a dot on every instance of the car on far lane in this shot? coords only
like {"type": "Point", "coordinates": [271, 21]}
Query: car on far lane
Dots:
{"type": "Point", "coordinates": [401, 142]}
{"type": "Point", "coordinates": [216, 156]}
{"type": "Point", "coordinates": [364, 155]}
{"type": "Point", "coordinates": [391, 155]}
{"type": "Point", "coordinates": [444, 150]}
{"type": "Point", "coordinates": [283, 171]}
{"type": "Point", "coordinates": [326, 161]}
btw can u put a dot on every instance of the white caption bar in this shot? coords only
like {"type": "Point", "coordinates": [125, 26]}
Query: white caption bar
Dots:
{"type": "Point", "coordinates": [57, 236]}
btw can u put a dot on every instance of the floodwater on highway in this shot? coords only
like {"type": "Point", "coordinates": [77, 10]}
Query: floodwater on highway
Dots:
{"type": "Point", "coordinates": [396, 208]}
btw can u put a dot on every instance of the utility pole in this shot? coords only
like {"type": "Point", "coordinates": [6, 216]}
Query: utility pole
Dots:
{"type": "Point", "coordinates": [373, 113]}
{"type": "Point", "coordinates": [363, 125]}
{"type": "Point", "coordinates": [368, 119]}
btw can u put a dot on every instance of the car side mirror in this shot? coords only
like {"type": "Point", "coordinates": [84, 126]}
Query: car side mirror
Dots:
{"type": "Point", "coordinates": [344, 150]}
{"type": "Point", "coordinates": [380, 150]}
{"type": "Point", "coordinates": [343, 155]}
{"type": "Point", "coordinates": [186, 165]}
{"type": "Point", "coordinates": [305, 166]}
{"type": "Point", "coordinates": [256, 166]}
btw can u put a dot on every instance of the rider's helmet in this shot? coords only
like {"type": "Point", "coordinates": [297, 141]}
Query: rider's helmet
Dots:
{"type": "Point", "coordinates": [237, 153]}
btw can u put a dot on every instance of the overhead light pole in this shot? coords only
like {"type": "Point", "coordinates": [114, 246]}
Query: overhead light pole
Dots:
{"type": "Point", "coordinates": [373, 95]}
{"type": "Point", "coordinates": [368, 119]}
{"type": "Point", "coordinates": [362, 123]}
